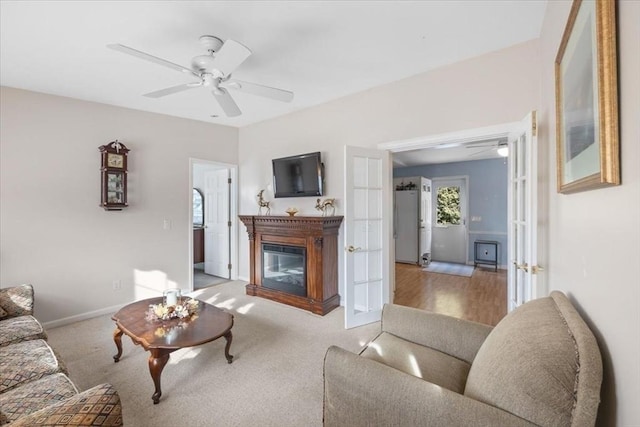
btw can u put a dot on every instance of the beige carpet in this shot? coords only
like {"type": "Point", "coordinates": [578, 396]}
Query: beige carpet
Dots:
{"type": "Point", "coordinates": [274, 380]}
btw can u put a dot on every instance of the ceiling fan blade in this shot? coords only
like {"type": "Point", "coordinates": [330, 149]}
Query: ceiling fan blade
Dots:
{"type": "Point", "coordinates": [490, 143]}
{"type": "Point", "coordinates": [172, 90]}
{"type": "Point", "coordinates": [230, 56]}
{"type": "Point", "coordinates": [150, 58]}
{"type": "Point", "coordinates": [260, 90]}
{"type": "Point", "coordinates": [226, 102]}
{"type": "Point", "coordinates": [446, 145]}
{"type": "Point", "coordinates": [478, 153]}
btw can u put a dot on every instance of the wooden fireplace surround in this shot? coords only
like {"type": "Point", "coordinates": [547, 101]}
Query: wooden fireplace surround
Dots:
{"type": "Point", "coordinates": [319, 236]}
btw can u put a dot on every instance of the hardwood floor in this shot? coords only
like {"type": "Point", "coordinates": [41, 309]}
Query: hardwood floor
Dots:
{"type": "Point", "coordinates": [481, 298]}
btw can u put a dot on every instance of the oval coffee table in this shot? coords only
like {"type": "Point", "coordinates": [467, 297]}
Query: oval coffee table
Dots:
{"type": "Point", "coordinates": [161, 338]}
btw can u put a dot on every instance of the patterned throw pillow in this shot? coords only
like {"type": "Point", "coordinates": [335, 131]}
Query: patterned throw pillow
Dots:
{"type": "Point", "coordinates": [3, 313]}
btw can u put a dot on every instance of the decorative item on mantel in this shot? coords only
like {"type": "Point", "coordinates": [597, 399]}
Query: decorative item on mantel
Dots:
{"type": "Point", "coordinates": [292, 211]}
{"type": "Point", "coordinates": [324, 205]}
{"type": "Point", "coordinates": [113, 172]}
{"type": "Point", "coordinates": [262, 203]}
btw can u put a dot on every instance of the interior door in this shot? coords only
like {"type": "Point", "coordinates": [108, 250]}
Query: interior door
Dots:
{"type": "Point", "coordinates": [449, 220]}
{"type": "Point", "coordinates": [367, 234]}
{"type": "Point", "coordinates": [522, 219]}
{"type": "Point", "coordinates": [217, 225]}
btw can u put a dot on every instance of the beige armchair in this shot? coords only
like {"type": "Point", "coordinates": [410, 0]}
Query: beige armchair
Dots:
{"type": "Point", "coordinates": [539, 366]}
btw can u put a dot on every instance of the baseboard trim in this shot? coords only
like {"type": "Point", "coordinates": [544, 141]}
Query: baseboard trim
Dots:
{"type": "Point", "coordinates": [82, 316]}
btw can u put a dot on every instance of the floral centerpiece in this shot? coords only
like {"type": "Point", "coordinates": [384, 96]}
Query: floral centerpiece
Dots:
{"type": "Point", "coordinates": [179, 311]}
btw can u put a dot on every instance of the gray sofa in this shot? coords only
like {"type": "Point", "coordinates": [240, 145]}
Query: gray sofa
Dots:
{"type": "Point", "coordinates": [35, 389]}
{"type": "Point", "coordinates": [539, 366]}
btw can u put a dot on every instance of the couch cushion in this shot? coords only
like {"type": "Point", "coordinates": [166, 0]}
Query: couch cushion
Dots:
{"type": "Point", "coordinates": [420, 361]}
{"type": "Point", "coordinates": [17, 300]}
{"type": "Point", "coordinates": [33, 396]}
{"type": "Point", "coordinates": [98, 406]}
{"type": "Point", "coordinates": [528, 365]}
{"type": "Point", "coordinates": [18, 329]}
{"type": "Point", "coordinates": [27, 361]}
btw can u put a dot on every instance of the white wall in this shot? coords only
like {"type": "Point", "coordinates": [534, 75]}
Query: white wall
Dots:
{"type": "Point", "coordinates": [54, 235]}
{"type": "Point", "coordinates": [594, 236]}
{"type": "Point", "coordinates": [495, 88]}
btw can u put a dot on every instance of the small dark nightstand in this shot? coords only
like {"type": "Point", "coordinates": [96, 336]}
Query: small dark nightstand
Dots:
{"type": "Point", "coordinates": [485, 252]}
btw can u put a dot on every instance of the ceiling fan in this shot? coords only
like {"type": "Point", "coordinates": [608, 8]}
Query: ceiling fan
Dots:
{"type": "Point", "coordinates": [213, 71]}
{"type": "Point", "coordinates": [500, 145]}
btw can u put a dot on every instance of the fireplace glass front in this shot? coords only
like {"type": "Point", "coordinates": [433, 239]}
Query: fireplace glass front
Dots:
{"type": "Point", "coordinates": [283, 268]}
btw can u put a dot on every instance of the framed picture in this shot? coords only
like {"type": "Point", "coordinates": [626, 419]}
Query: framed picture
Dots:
{"type": "Point", "coordinates": [588, 152]}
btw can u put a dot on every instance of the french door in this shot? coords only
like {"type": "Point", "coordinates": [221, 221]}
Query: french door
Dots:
{"type": "Point", "coordinates": [522, 218]}
{"type": "Point", "coordinates": [367, 234]}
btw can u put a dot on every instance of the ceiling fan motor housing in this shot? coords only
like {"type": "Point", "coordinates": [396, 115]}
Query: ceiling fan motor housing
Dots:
{"type": "Point", "coordinates": [203, 63]}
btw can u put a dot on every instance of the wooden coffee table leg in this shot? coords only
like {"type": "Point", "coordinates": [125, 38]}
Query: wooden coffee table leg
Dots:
{"type": "Point", "coordinates": [228, 337]}
{"type": "Point", "coordinates": [117, 337]}
{"type": "Point", "coordinates": [157, 360]}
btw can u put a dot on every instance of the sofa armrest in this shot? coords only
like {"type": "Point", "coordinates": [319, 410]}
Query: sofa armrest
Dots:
{"type": "Point", "coordinates": [456, 337]}
{"type": "Point", "coordinates": [362, 392]}
{"type": "Point", "coordinates": [17, 300]}
{"type": "Point", "coordinates": [98, 406]}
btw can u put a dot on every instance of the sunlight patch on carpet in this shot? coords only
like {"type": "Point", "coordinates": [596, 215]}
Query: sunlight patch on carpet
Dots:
{"type": "Point", "coordinates": [228, 304]}
{"type": "Point", "coordinates": [245, 308]}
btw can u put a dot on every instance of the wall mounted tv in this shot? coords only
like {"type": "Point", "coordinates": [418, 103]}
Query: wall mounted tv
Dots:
{"type": "Point", "coordinates": [298, 176]}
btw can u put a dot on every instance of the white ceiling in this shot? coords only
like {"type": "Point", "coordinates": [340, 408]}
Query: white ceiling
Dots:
{"type": "Point", "coordinates": [478, 150]}
{"type": "Point", "coordinates": [321, 50]}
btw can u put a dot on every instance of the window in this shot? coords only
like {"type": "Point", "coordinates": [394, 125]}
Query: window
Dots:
{"type": "Point", "coordinates": [198, 208]}
{"type": "Point", "coordinates": [448, 206]}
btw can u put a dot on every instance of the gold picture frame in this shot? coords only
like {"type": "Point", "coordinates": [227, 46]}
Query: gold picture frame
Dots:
{"type": "Point", "coordinates": [587, 138]}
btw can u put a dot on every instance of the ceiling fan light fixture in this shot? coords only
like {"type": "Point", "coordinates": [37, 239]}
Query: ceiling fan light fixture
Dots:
{"type": "Point", "coordinates": [503, 151]}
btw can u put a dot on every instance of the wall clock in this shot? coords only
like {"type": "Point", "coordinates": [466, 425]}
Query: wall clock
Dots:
{"type": "Point", "coordinates": [113, 176]}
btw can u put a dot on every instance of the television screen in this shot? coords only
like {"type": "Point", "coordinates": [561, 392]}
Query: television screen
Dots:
{"type": "Point", "coordinates": [298, 176]}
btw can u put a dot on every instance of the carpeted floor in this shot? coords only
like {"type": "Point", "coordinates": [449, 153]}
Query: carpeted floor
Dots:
{"type": "Point", "coordinates": [274, 380]}
{"type": "Point", "coordinates": [450, 268]}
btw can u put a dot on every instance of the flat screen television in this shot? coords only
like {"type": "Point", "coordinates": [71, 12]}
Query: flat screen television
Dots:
{"type": "Point", "coordinates": [298, 176]}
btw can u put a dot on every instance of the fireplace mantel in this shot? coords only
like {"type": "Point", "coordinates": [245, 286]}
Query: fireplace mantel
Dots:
{"type": "Point", "coordinates": [318, 236]}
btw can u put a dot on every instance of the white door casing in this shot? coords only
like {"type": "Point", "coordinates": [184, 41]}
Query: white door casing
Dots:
{"type": "Point", "coordinates": [367, 234]}
{"type": "Point", "coordinates": [522, 217]}
{"type": "Point", "coordinates": [450, 242]}
{"type": "Point", "coordinates": [217, 228]}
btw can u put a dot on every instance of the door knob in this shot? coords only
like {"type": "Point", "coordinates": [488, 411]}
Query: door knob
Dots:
{"type": "Point", "coordinates": [352, 249]}
{"type": "Point", "coordinates": [524, 267]}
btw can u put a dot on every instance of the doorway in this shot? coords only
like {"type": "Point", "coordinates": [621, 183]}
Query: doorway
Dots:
{"type": "Point", "coordinates": [454, 147]}
{"type": "Point", "coordinates": [213, 237]}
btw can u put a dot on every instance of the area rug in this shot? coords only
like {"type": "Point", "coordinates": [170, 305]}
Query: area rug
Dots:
{"type": "Point", "coordinates": [450, 268]}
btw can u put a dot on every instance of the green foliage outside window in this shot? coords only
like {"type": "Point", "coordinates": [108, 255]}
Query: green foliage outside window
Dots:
{"type": "Point", "coordinates": [448, 211]}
